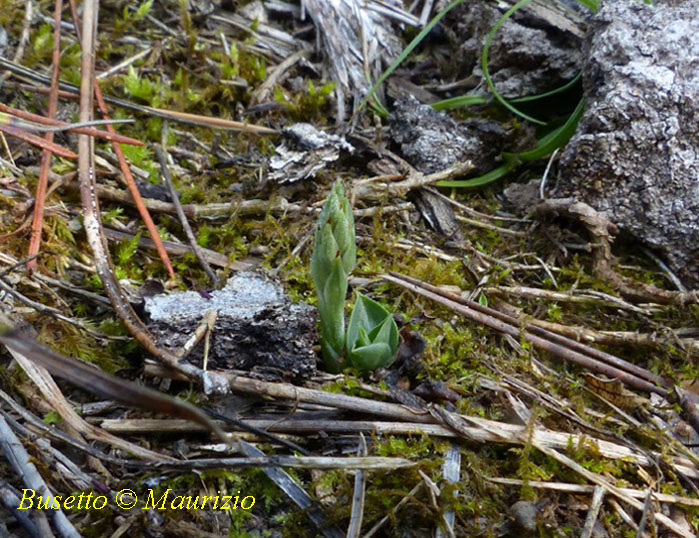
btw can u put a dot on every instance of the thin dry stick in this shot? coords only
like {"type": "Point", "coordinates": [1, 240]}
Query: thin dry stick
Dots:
{"type": "Point", "coordinates": [584, 488]}
{"type": "Point", "coordinates": [551, 342]}
{"type": "Point", "coordinates": [355, 525]}
{"type": "Point", "coordinates": [38, 141]}
{"type": "Point", "coordinates": [38, 219]}
{"type": "Point", "coordinates": [69, 127]}
{"type": "Point", "coordinates": [183, 218]}
{"type": "Point", "coordinates": [593, 512]}
{"type": "Point", "coordinates": [21, 462]}
{"type": "Point", "coordinates": [646, 516]}
{"type": "Point", "coordinates": [130, 183]}
{"type": "Point", "coordinates": [93, 224]}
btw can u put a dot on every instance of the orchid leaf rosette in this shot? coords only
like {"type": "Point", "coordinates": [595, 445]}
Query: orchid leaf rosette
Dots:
{"type": "Point", "coordinates": [334, 257]}
{"type": "Point", "coordinates": [372, 335]}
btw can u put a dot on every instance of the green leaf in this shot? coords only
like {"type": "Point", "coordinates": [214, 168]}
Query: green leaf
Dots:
{"type": "Point", "coordinates": [461, 101]}
{"type": "Point", "coordinates": [405, 53]}
{"type": "Point", "coordinates": [371, 357]}
{"type": "Point", "coordinates": [484, 62]}
{"type": "Point", "coordinates": [331, 305]}
{"type": "Point", "coordinates": [372, 335]}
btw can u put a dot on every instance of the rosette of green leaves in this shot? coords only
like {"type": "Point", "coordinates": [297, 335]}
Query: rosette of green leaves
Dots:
{"type": "Point", "coordinates": [334, 257]}
{"type": "Point", "coordinates": [372, 335]}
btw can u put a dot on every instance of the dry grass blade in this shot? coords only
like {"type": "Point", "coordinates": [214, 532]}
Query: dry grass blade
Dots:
{"type": "Point", "coordinates": [96, 381]}
{"type": "Point", "coordinates": [38, 141]}
{"type": "Point", "coordinates": [296, 493]}
{"type": "Point", "coordinates": [355, 524]}
{"type": "Point", "coordinates": [62, 125]}
{"type": "Point", "coordinates": [585, 488]}
{"type": "Point", "coordinates": [183, 218]}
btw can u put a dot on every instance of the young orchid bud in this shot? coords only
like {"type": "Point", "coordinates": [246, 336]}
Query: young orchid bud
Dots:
{"type": "Point", "coordinates": [334, 257]}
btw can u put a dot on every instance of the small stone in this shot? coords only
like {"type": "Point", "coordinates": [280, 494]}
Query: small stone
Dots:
{"type": "Point", "coordinates": [523, 514]}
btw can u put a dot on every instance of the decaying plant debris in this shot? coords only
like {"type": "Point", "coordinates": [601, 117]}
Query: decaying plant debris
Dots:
{"type": "Point", "coordinates": [545, 382]}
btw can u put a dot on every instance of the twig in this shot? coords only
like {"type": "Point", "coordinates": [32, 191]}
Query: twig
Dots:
{"type": "Point", "coordinates": [39, 197]}
{"type": "Point", "coordinates": [183, 218]}
{"type": "Point", "coordinates": [586, 488]}
{"type": "Point", "coordinates": [57, 125]}
{"type": "Point", "coordinates": [593, 512]}
{"type": "Point", "coordinates": [213, 257]}
{"type": "Point", "coordinates": [22, 464]}
{"type": "Point", "coordinates": [355, 525]}
{"type": "Point", "coordinates": [561, 346]}
{"type": "Point", "coordinates": [86, 90]}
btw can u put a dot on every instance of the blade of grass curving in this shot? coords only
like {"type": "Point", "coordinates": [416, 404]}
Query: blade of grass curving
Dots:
{"type": "Point", "coordinates": [561, 89]}
{"type": "Point", "coordinates": [556, 138]}
{"type": "Point", "coordinates": [544, 147]}
{"type": "Point", "coordinates": [461, 101]}
{"type": "Point", "coordinates": [592, 4]}
{"type": "Point", "coordinates": [406, 52]}
{"type": "Point", "coordinates": [484, 63]}
{"type": "Point", "coordinates": [510, 164]}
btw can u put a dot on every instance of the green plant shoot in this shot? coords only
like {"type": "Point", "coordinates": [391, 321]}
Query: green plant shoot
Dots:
{"type": "Point", "coordinates": [334, 257]}
{"type": "Point", "coordinates": [372, 335]}
{"type": "Point", "coordinates": [371, 338]}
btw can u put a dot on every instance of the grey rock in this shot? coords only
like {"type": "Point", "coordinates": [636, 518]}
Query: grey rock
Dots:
{"type": "Point", "coordinates": [257, 327]}
{"type": "Point", "coordinates": [432, 141]}
{"type": "Point", "coordinates": [635, 155]}
{"type": "Point", "coordinates": [523, 514]}
{"type": "Point", "coordinates": [535, 50]}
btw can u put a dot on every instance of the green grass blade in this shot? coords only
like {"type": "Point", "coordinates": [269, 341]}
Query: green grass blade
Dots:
{"type": "Point", "coordinates": [556, 138]}
{"type": "Point", "coordinates": [562, 89]}
{"type": "Point", "coordinates": [485, 179]}
{"type": "Point", "coordinates": [484, 63]}
{"type": "Point", "coordinates": [461, 101]}
{"type": "Point", "coordinates": [406, 52]}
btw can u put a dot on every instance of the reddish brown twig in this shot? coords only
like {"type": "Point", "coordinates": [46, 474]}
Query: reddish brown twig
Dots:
{"type": "Point", "coordinates": [130, 183]}
{"type": "Point", "coordinates": [38, 141]}
{"type": "Point", "coordinates": [97, 133]}
{"type": "Point", "coordinates": [38, 219]}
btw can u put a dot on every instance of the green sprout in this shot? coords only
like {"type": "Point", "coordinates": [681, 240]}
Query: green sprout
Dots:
{"type": "Point", "coordinates": [371, 339]}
